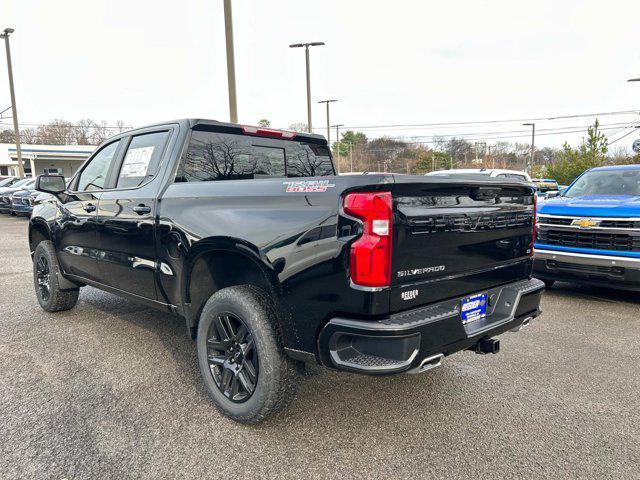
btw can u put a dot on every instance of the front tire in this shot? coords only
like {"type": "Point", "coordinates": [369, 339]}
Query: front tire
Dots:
{"type": "Point", "coordinates": [45, 278]}
{"type": "Point", "coordinates": [240, 354]}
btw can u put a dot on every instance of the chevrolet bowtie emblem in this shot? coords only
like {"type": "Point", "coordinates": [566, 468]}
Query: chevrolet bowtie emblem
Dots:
{"type": "Point", "coordinates": [585, 223]}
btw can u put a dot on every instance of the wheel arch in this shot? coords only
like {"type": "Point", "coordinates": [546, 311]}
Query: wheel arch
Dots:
{"type": "Point", "coordinates": [220, 262]}
{"type": "Point", "coordinates": [38, 232]}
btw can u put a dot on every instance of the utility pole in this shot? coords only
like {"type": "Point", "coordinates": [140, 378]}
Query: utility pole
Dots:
{"type": "Point", "coordinates": [484, 144]}
{"type": "Point", "coordinates": [328, 123]}
{"type": "Point", "coordinates": [493, 163]}
{"type": "Point", "coordinates": [306, 56]}
{"type": "Point", "coordinates": [231, 63]}
{"type": "Point", "coordinates": [14, 110]}
{"type": "Point", "coordinates": [337, 127]}
{"type": "Point", "coordinates": [529, 168]}
{"type": "Point", "coordinates": [350, 158]}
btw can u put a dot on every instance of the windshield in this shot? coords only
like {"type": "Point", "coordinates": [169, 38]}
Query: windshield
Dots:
{"type": "Point", "coordinates": [21, 183]}
{"type": "Point", "coordinates": [606, 182]}
{"type": "Point", "coordinates": [6, 182]}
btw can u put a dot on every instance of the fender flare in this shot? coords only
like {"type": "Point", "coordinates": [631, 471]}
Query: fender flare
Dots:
{"type": "Point", "coordinates": [230, 245]}
{"type": "Point", "coordinates": [63, 282]}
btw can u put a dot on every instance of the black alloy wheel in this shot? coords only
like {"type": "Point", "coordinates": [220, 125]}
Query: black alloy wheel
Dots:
{"type": "Point", "coordinates": [232, 357]}
{"type": "Point", "coordinates": [43, 278]}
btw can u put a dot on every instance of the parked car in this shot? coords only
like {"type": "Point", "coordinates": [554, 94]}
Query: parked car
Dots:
{"type": "Point", "coordinates": [547, 187]}
{"type": "Point", "coordinates": [590, 233]}
{"type": "Point", "coordinates": [273, 260]}
{"type": "Point", "coordinates": [8, 181]}
{"type": "Point", "coordinates": [22, 202]}
{"type": "Point", "coordinates": [490, 172]}
{"type": "Point", "coordinates": [7, 192]}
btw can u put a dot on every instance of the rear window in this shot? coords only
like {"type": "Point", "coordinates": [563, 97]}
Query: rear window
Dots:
{"type": "Point", "coordinates": [513, 176]}
{"type": "Point", "coordinates": [215, 156]}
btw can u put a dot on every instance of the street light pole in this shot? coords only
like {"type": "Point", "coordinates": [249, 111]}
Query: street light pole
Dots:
{"type": "Point", "coordinates": [533, 145]}
{"type": "Point", "coordinates": [14, 110]}
{"type": "Point", "coordinates": [328, 122]}
{"type": "Point", "coordinates": [231, 63]}
{"type": "Point", "coordinates": [308, 68]}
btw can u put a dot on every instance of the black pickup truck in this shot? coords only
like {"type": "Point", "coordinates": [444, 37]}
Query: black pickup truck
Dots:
{"type": "Point", "coordinates": [274, 261]}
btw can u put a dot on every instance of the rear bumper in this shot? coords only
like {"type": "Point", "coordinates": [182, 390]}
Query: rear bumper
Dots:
{"type": "Point", "coordinates": [403, 341]}
{"type": "Point", "coordinates": [601, 270]}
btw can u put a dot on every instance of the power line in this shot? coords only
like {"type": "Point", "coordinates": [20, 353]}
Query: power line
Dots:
{"type": "Point", "coordinates": [559, 130]}
{"type": "Point", "coordinates": [480, 122]}
{"type": "Point", "coordinates": [625, 135]}
{"type": "Point", "coordinates": [436, 140]}
{"type": "Point", "coordinates": [499, 134]}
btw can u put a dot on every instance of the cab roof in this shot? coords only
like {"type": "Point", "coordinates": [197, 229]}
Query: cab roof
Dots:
{"type": "Point", "coordinates": [192, 122]}
{"type": "Point", "coordinates": [617, 167]}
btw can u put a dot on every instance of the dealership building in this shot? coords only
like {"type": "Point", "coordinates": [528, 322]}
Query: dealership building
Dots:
{"type": "Point", "coordinates": [39, 159]}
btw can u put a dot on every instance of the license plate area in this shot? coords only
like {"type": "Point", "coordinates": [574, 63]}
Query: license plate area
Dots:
{"type": "Point", "coordinates": [473, 308]}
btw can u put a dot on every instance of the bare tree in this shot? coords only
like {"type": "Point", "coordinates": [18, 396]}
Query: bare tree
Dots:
{"type": "Point", "coordinates": [82, 131]}
{"type": "Point", "coordinates": [100, 132]}
{"type": "Point", "coordinates": [298, 127]}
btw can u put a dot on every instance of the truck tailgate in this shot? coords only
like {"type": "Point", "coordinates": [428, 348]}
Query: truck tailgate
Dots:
{"type": "Point", "coordinates": [455, 235]}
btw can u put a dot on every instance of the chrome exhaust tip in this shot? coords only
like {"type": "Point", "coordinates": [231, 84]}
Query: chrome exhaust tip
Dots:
{"type": "Point", "coordinates": [428, 363]}
{"type": "Point", "coordinates": [525, 323]}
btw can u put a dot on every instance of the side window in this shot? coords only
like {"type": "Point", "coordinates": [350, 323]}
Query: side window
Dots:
{"type": "Point", "coordinates": [308, 160]}
{"type": "Point", "coordinates": [95, 173]}
{"type": "Point", "coordinates": [142, 159]}
{"type": "Point", "coordinates": [219, 156]}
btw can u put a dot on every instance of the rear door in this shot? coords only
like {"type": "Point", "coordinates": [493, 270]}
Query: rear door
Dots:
{"type": "Point", "coordinates": [126, 233]}
{"type": "Point", "coordinates": [458, 236]}
{"type": "Point", "coordinates": [77, 239]}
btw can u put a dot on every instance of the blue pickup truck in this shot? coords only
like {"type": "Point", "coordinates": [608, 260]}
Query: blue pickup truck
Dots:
{"type": "Point", "coordinates": [590, 233]}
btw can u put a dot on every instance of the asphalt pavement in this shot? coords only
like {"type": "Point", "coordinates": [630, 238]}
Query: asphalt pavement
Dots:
{"type": "Point", "coordinates": [111, 389]}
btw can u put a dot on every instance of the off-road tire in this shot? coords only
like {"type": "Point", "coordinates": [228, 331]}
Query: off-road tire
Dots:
{"type": "Point", "coordinates": [58, 300]}
{"type": "Point", "coordinates": [277, 379]}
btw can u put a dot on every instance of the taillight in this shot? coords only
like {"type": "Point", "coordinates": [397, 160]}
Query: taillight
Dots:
{"type": "Point", "coordinates": [370, 260]}
{"type": "Point", "coordinates": [535, 222]}
{"type": "Point", "coordinates": [268, 132]}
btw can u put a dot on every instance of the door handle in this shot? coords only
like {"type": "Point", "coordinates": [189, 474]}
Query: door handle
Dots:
{"type": "Point", "coordinates": [90, 207]}
{"type": "Point", "coordinates": [142, 209]}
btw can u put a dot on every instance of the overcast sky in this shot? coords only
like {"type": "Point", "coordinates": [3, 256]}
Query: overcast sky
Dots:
{"type": "Point", "coordinates": [402, 62]}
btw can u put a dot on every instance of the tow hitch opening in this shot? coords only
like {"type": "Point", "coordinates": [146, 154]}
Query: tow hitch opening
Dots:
{"type": "Point", "coordinates": [487, 345]}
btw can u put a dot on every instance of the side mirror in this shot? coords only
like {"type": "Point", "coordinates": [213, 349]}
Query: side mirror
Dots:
{"type": "Point", "coordinates": [53, 184]}
{"type": "Point", "coordinates": [553, 193]}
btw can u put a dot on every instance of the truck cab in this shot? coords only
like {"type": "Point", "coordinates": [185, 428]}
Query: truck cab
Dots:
{"type": "Point", "coordinates": [591, 232]}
